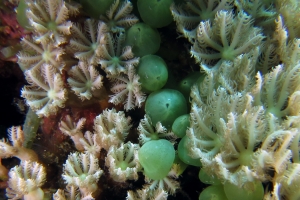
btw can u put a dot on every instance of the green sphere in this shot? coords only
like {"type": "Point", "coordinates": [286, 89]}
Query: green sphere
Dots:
{"type": "Point", "coordinates": [180, 125]}
{"type": "Point", "coordinates": [143, 39]}
{"type": "Point", "coordinates": [153, 73]}
{"type": "Point", "coordinates": [183, 153]}
{"type": "Point", "coordinates": [208, 179]}
{"type": "Point", "coordinates": [234, 192]}
{"type": "Point", "coordinates": [156, 13]}
{"type": "Point", "coordinates": [157, 157]}
{"type": "Point", "coordinates": [21, 15]}
{"type": "Point", "coordinates": [165, 106]}
{"type": "Point", "coordinates": [95, 8]}
{"type": "Point", "coordinates": [187, 82]}
{"type": "Point", "coordinates": [213, 192]}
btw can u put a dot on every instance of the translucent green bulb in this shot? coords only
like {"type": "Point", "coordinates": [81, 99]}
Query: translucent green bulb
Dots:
{"type": "Point", "coordinates": [180, 125]}
{"type": "Point", "coordinates": [156, 13]}
{"type": "Point", "coordinates": [165, 106]}
{"type": "Point", "coordinates": [143, 39]}
{"type": "Point", "coordinates": [157, 157]}
{"type": "Point", "coordinates": [153, 73]}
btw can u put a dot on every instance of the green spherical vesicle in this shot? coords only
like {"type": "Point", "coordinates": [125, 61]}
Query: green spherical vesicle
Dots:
{"type": "Point", "coordinates": [153, 73]}
{"type": "Point", "coordinates": [143, 39]}
{"type": "Point", "coordinates": [180, 125]}
{"type": "Point", "coordinates": [234, 192]}
{"type": "Point", "coordinates": [183, 153]}
{"type": "Point", "coordinates": [208, 179]}
{"type": "Point", "coordinates": [21, 15]}
{"type": "Point", "coordinates": [187, 82]}
{"type": "Point", "coordinates": [95, 8]}
{"type": "Point", "coordinates": [165, 106]}
{"type": "Point", "coordinates": [156, 13]}
{"type": "Point", "coordinates": [157, 157]}
{"type": "Point", "coordinates": [213, 192]}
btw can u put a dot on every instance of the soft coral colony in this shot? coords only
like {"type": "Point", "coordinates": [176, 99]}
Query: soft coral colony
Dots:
{"type": "Point", "coordinates": [240, 128]}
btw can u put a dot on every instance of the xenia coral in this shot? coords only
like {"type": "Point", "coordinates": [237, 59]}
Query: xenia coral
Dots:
{"type": "Point", "coordinates": [90, 143]}
{"type": "Point", "coordinates": [38, 54]}
{"type": "Point", "coordinates": [263, 12]}
{"type": "Point", "coordinates": [123, 162]}
{"type": "Point", "coordinates": [49, 20]}
{"type": "Point", "coordinates": [46, 92]}
{"type": "Point", "coordinates": [84, 80]}
{"type": "Point", "coordinates": [112, 127]}
{"type": "Point", "coordinates": [73, 130]}
{"type": "Point", "coordinates": [147, 131]}
{"type": "Point", "coordinates": [225, 39]}
{"type": "Point", "coordinates": [145, 194]}
{"type": "Point", "coordinates": [16, 148]}
{"type": "Point", "coordinates": [188, 15]}
{"type": "Point", "coordinates": [83, 171]}
{"type": "Point", "coordinates": [240, 133]}
{"type": "Point", "coordinates": [115, 58]}
{"type": "Point", "coordinates": [127, 89]}
{"type": "Point", "coordinates": [25, 181]}
{"type": "Point", "coordinates": [168, 184]}
{"type": "Point", "coordinates": [87, 40]}
{"type": "Point", "coordinates": [118, 16]}
{"type": "Point", "coordinates": [71, 193]}
{"type": "Point", "coordinates": [287, 184]}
